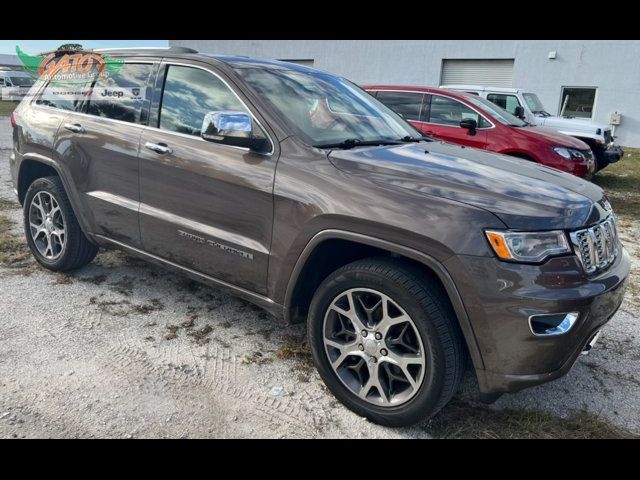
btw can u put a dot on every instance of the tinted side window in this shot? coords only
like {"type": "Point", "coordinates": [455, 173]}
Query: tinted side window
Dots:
{"type": "Point", "coordinates": [507, 102]}
{"type": "Point", "coordinates": [123, 95]}
{"type": "Point", "coordinates": [407, 104]}
{"type": "Point", "coordinates": [64, 97]}
{"type": "Point", "coordinates": [447, 111]}
{"type": "Point", "coordinates": [189, 94]}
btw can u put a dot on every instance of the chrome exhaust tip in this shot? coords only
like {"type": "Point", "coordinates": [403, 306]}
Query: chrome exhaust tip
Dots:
{"type": "Point", "coordinates": [587, 348]}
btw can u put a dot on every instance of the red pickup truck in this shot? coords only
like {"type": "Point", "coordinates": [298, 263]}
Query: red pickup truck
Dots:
{"type": "Point", "coordinates": [470, 120]}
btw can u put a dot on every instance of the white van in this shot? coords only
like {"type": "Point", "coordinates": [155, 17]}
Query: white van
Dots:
{"type": "Point", "coordinates": [14, 84]}
{"type": "Point", "coordinates": [527, 106]}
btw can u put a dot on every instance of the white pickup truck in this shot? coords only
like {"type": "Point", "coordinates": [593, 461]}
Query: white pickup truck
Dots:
{"type": "Point", "coordinates": [527, 106]}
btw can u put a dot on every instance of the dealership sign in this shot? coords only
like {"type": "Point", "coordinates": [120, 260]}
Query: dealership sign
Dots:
{"type": "Point", "coordinates": [71, 74]}
{"type": "Point", "coordinates": [68, 67]}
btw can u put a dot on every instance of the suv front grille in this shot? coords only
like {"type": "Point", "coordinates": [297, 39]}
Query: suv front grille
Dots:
{"type": "Point", "coordinates": [597, 246]}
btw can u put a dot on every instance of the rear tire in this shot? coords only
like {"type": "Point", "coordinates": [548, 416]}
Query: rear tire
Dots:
{"type": "Point", "coordinates": [52, 230]}
{"type": "Point", "coordinates": [372, 294]}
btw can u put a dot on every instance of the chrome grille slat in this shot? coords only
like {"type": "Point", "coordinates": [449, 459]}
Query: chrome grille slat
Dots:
{"type": "Point", "coordinates": [597, 246]}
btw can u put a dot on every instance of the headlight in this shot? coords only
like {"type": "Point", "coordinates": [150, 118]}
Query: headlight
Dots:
{"type": "Point", "coordinates": [570, 153]}
{"type": "Point", "coordinates": [527, 246]}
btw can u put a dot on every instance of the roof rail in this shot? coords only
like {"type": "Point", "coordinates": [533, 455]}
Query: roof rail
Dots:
{"type": "Point", "coordinates": [168, 49]}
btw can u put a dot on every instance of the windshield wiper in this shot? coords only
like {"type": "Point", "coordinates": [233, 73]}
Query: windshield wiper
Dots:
{"type": "Point", "coordinates": [542, 112]}
{"type": "Point", "coordinates": [356, 142]}
{"type": "Point", "coordinates": [409, 139]}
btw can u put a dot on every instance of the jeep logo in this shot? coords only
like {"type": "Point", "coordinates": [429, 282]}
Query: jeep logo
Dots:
{"type": "Point", "coordinates": [112, 93]}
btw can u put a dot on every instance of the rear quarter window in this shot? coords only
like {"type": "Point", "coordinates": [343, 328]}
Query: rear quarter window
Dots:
{"type": "Point", "coordinates": [63, 97]}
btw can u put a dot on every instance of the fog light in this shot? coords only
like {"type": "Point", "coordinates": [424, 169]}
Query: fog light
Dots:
{"type": "Point", "coordinates": [552, 324]}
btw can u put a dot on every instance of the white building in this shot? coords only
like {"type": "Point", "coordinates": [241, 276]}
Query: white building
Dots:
{"type": "Point", "coordinates": [10, 62]}
{"type": "Point", "coordinates": [599, 76]}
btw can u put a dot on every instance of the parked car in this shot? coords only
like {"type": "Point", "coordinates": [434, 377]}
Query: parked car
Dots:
{"type": "Point", "coordinates": [527, 106]}
{"type": "Point", "coordinates": [472, 121]}
{"type": "Point", "coordinates": [14, 84]}
{"type": "Point", "coordinates": [301, 193]}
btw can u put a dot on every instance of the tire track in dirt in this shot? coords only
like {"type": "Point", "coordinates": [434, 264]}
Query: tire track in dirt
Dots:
{"type": "Point", "coordinates": [216, 370]}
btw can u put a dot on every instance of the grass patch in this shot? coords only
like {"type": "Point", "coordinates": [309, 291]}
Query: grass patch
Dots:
{"type": "Point", "coordinates": [621, 182]}
{"type": "Point", "coordinates": [7, 107]}
{"type": "Point", "coordinates": [13, 249]}
{"type": "Point", "coordinates": [296, 347]}
{"type": "Point", "coordinates": [8, 204]}
{"type": "Point", "coordinates": [257, 358]}
{"type": "Point", "coordinates": [462, 420]}
{"type": "Point", "coordinates": [199, 336]}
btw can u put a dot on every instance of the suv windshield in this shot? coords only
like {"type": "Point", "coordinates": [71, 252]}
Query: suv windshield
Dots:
{"type": "Point", "coordinates": [498, 113]}
{"type": "Point", "coordinates": [534, 103]}
{"type": "Point", "coordinates": [325, 110]}
{"type": "Point", "coordinates": [21, 81]}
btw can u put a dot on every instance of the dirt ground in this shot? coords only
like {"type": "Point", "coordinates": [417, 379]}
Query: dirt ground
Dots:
{"type": "Point", "coordinates": [125, 349]}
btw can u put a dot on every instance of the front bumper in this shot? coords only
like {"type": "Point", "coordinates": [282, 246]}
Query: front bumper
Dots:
{"type": "Point", "coordinates": [500, 297]}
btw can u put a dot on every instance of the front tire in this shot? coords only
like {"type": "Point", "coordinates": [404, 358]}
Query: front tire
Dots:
{"type": "Point", "coordinates": [52, 230]}
{"type": "Point", "coordinates": [385, 340]}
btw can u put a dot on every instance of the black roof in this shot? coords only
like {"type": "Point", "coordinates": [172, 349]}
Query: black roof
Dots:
{"type": "Point", "coordinates": [238, 61]}
{"type": "Point", "coordinates": [145, 50]}
{"type": "Point", "coordinates": [235, 61]}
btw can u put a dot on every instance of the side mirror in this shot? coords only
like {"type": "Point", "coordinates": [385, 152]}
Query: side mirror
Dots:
{"type": "Point", "coordinates": [519, 112]}
{"type": "Point", "coordinates": [470, 124]}
{"type": "Point", "coordinates": [232, 128]}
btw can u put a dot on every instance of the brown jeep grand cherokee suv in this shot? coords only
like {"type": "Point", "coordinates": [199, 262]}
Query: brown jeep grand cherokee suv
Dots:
{"type": "Point", "coordinates": [299, 192]}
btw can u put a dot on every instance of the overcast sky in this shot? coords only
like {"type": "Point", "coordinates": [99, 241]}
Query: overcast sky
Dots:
{"type": "Point", "coordinates": [37, 46]}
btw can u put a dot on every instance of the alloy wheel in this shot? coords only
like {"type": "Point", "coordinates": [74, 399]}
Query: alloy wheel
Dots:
{"type": "Point", "coordinates": [47, 225]}
{"type": "Point", "coordinates": [374, 347]}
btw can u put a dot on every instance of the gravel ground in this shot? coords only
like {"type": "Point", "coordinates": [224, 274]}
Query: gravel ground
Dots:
{"type": "Point", "coordinates": [125, 349]}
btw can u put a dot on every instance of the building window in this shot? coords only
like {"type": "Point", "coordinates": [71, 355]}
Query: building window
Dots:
{"type": "Point", "coordinates": [578, 102]}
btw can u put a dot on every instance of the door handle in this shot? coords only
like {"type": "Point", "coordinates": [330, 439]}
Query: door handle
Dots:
{"type": "Point", "coordinates": [74, 127]}
{"type": "Point", "coordinates": [158, 147]}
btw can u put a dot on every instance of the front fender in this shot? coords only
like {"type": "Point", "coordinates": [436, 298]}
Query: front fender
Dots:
{"type": "Point", "coordinates": [425, 259]}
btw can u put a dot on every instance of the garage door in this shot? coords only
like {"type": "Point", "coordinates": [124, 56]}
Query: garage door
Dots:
{"type": "Point", "coordinates": [495, 73]}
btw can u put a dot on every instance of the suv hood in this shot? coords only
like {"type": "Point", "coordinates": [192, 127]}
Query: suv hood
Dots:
{"type": "Point", "coordinates": [524, 195]}
{"type": "Point", "coordinates": [553, 137]}
{"type": "Point", "coordinates": [572, 125]}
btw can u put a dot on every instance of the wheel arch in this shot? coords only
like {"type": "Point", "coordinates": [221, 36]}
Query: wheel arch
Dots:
{"type": "Point", "coordinates": [519, 154]}
{"type": "Point", "coordinates": [328, 250]}
{"type": "Point", "coordinates": [31, 169]}
{"type": "Point", "coordinates": [36, 166]}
